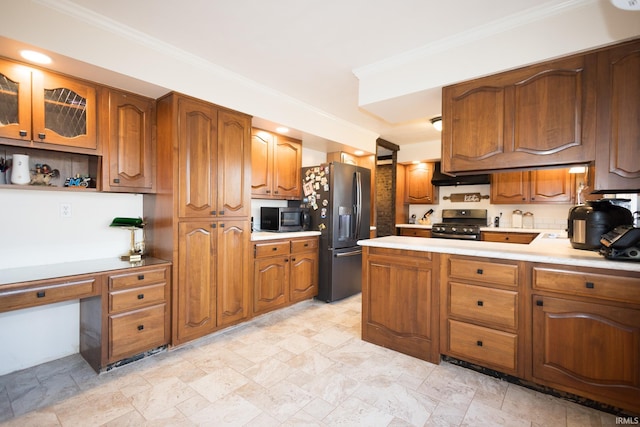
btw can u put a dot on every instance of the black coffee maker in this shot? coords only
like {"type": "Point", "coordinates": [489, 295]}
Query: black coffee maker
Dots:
{"type": "Point", "coordinates": [586, 223]}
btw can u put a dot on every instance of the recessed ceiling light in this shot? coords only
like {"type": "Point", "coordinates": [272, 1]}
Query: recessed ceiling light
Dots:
{"type": "Point", "coordinates": [37, 57]}
{"type": "Point", "coordinates": [282, 129]}
{"type": "Point", "coordinates": [626, 4]}
{"type": "Point", "coordinates": [358, 152]}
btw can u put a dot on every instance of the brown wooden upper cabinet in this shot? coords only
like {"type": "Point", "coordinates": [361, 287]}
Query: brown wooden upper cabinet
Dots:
{"type": "Point", "coordinates": [418, 188]}
{"type": "Point", "coordinates": [126, 127]}
{"type": "Point", "coordinates": [540, 115]}
{"type": "Point", "coordinates": [276, 164]}
{"type": "Point", "coordinates": [54, 111]}
{"type": "Point", "coordinates": [537, 186]}
{"type": "Point", "coordinates": [213, 153]}
{"type": "Point", "coordinates": [618, 128]}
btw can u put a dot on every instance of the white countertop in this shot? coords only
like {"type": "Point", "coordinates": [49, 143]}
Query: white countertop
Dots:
{"type": "Point", "coordinates": [269, 235]}
{"type": "Point", "coordinates": [541, 249]}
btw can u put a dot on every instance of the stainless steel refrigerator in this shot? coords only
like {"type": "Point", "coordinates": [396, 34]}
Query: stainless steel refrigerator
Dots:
{"type": "Point", "coordinates": [338, 198]}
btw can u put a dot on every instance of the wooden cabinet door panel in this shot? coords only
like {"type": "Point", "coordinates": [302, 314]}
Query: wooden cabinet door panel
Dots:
{"type": "Point", "coordinates": [303, 280]}
{"type": "Point", "coordinates": [473, 120]}
{"type": "Point", "coordinates": [234, 160]}
{"type": "Point", "coordinates": [592, 347]}
{"type": "Point", "coordinates": [197, 151]}
{"type": "Point", "coordinates": [195, 292]}
{"type": "Point", "coordinates": [418, 187]}
{"type": "Point", "coordinates": [617, 166]}
{"type": "Point", "coordinates": [15, 101]}
{"type": "Point", "coordinates": [552, 186]}
{"type": "Point", "coordinates": [233, 271]}
{"type": "Point", "coordinates": [287, 160]}
{"type": "Point", "coordinates": [131, 152]}
{"type": "Point", "coordinates": [510, 187]}
{"type": "Point", "coordinates": [261, 162]}
{"type": "Point", "coordinates": [64, 111]}
{"type": "Point", "coordinates": [270, 278]}
{"type": "Point", "coordinates": [398, 307]}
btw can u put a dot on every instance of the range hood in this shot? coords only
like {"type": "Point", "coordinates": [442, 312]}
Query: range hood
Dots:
{"type": "Point", "coordinates": [441, 180]}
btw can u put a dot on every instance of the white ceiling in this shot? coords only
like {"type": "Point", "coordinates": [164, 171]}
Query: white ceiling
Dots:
{"type": "Point", "coordinates": [375, 65]}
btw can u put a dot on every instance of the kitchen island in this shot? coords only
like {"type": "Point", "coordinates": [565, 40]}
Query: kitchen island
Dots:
{"type": "Point", "coordinates": [543, 312]}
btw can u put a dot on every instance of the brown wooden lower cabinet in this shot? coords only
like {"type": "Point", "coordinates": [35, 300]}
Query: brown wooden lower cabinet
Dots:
{"type": "Point", "coordinates": [285, 271]}
{"type": "Point", "coordinates": [400, 301]}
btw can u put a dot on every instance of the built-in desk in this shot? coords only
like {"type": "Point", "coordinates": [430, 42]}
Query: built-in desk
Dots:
{"type": "Point", "coordinates": [124, 307]}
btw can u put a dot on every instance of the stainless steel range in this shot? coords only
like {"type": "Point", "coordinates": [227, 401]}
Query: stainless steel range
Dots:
{"type": "Point", "coordinates": [460, 224]}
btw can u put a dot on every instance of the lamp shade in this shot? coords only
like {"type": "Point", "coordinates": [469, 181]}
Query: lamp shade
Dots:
{"type": "Point", "coordinates": [127, 222]}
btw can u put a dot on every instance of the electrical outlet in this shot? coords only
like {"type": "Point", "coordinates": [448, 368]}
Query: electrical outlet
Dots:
{"type": "Point", "coordinates": [65, 210]}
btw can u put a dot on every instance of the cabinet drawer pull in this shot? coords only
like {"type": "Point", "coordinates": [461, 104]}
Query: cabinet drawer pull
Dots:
{"type": "Point", "coordinates": [274, 248]}
{"type": "Point", "coordinates": [590, 285]}
{"type": "Point", "coordinates": [293, 259]}
{"type": "Point", "coordinates": [539, 303]}
{"type": "Point", "coordinates": [480, 303]}
{"type": "Point", "coordinates": [213, 212]}
{"type": "Point", "coordinates": [23, 133]}
{"type": "Point", "coordinates": [140, 327]}
{"type": "Point", "coordinates": [116, 181]}
{"type": "Point", "coordinates": [140, 276]}
{"type": "Point", "coordinates": [40, 294]}
{"type": "Point", "coordinates": [41, 135]}
{"type": "Point", "coordinates": [213, 225]}
{"type": "Point", "coordinates": [306, 245]}
{"type": "Point", "coordinates": [479, 271]}
{"type": "Point", "coordinates": [221, 213]}
{"type": "Point", "coordinates": [479, 343]}
{"type": "Point", "coordinates": [140, 296]}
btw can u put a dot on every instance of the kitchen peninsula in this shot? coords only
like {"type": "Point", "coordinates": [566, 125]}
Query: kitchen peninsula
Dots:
{"type": "Point", "coordinates": [543, 312]}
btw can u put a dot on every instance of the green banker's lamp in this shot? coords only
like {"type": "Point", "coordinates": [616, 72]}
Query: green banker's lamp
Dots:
{"type": "Point", "coordinates": [136, 252]}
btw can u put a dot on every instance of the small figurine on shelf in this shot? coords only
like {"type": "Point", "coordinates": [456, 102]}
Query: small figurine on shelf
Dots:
{"type": "Point", "coordinates": [43, 174]}
{"type": "Point", "coordinates": [78, 181]}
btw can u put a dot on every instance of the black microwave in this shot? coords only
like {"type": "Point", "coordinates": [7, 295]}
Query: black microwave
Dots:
{"type": "Point", "coordinates": [284, 219]}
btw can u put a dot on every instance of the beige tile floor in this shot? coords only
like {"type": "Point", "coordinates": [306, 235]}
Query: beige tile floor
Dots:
{"type": "Point", "coordinates": [303, 365]}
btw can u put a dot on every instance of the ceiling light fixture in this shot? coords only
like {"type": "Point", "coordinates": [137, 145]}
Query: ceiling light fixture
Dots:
{"type": "Point", "coordinates": [358, 152]}
{"type": "Point", "coordinates": [437, 123]}
{"type": "Point", "coordinates": [626, 4]}
{"type": "Point", "coordinates": [282, 129]}
{"type": "Point", "coordinates": [37, 57]}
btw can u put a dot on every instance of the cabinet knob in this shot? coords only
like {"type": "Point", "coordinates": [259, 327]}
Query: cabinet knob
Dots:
{"type": "Point", "coordinates": [22, 133]}
{"type": "Point", "coordinates": [539, 303]}
{"type": "Point", "coordinates": [40, 294]}
{"type": "Point", "coordinates": [268, 191]}
{"type": "Point", "coordinates": [480, 303]}
{"type": "Point", "coordinates": [140, 276]}
{"type": "Point", "coordinates": [293, 259]}
{"type": "Point", "coordinates": [274, 249]}
{"type": "Point", "coordinates": [506, 238]}
{"type": "Point", "coordinates": [222, 224]}
{"type": "Point", "coordinates": [590, 285]}
{"type": "Point", "coordinates": [42, 135]}
{"type": "Point", "coordinates": [213, 212]}
{"type": "Point", "coordinates": [306, 244]}
{"type": "Point", "coordinates": [479, 271]}
{"type": "Point", "coordinates": [286, 260]}
{"type": "Point", "coordinates": [140, 327]}
{"type": "Point", "coordinates": [479, 343]}
{"type": "Point", "coordinates": [116, 181]}
{"type": "Point", "coordinates": [275, 192]}
{"type": "Point", "coordinates": [213, 225]}
{"type": "Point", "coordinates": [140, 296]}
{"type": "Point", "coordinates": [221, 213]}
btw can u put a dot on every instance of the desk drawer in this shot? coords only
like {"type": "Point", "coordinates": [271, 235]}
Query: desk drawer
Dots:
{"type": "Point", "coordinates": [137, 278]}
{"type": "Point", "coordinates": [484, 345]}
{"type": "Point", "coordinates": [47, 293]}
{"type": "Point", "coordinates": [137, 331]}
{"type": "Point", "coordinates": [494, 306]}
{"type": "Point", "coordinates": [135, 298]}
{"type": "Point", "coordinates": [605, 286]}
{"type": "Point", "coordinates": [272, 248]}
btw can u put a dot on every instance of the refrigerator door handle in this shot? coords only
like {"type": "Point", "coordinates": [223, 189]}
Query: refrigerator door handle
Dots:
{"type": "Point", "coordinates": [345, 254]}
{"type": "Point", "coordinates": [358, 204]}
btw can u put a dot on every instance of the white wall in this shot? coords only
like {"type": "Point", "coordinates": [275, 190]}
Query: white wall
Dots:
{"type": "Point", "coordinates": [33, 233]}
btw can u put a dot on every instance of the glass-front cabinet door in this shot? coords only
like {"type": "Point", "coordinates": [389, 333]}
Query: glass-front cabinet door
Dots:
{"type": "Point", "coordinates": [15, 101]}
{"type": "Point", "coordinates": [64, 111]}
